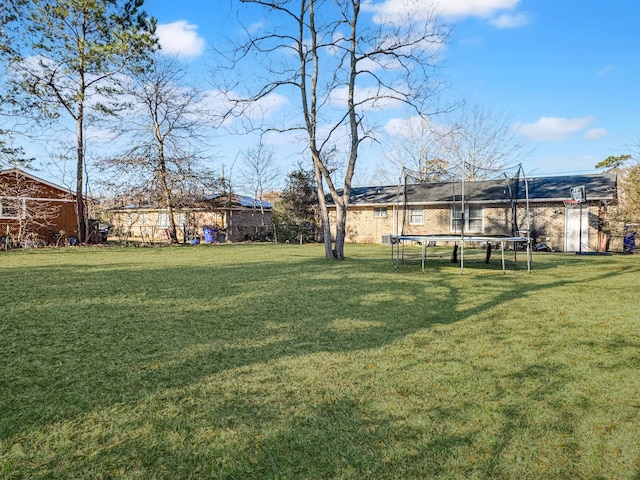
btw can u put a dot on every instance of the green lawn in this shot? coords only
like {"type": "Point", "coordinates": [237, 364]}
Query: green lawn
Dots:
{"type": "Point", "coordinates": [269, 362]}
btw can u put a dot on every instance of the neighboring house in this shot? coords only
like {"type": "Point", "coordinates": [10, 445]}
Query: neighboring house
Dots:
{"type": "Point", "coordinates": [33, 209]}
{"type": "Point", "coordinates": [216, 218]}
{"type": "Point", "coordinates": [491, 207]}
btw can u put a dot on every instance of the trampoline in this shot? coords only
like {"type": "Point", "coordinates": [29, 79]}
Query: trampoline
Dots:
{"type": "Point", "coordinates": [514, 191]}
{"type": "Point", "coordinates": [424, 241]}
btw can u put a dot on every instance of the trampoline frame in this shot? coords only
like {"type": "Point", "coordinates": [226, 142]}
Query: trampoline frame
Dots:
{"type": "Point", "coordinates": [398, 243]}
{"type": "Point", "coordinates": [523, 235]}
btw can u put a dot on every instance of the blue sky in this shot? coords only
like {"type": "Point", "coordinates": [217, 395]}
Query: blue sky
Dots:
{"type": "Point", "coordinates": [564, 72]}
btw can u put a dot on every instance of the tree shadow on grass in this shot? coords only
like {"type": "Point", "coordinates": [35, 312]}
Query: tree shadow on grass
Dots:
{"type": "Point", "coordinates": [124, 336]}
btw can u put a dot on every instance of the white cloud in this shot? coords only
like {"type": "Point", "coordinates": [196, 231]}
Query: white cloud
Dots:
{"type": "Point", "coordinates": [606, 70]}
{"type": "Point", "coordinates": [376, 65]}
{"type": "Point", "coordinates": [595, 133]}
{"type": "Point", "coordinates": [219, 104]}
{"type": "Point", "coordinates": [267, 105]}
{"type": "Point", "coordinates": [411, 126]}
{"type": "Point", "coordinates": [401, 127]}
{"type": "Point", "coordinates": [368, 98]}
{"type": "Point", "coordinates": [256, 26]}
{"type": "Point", "coordinates": [507, 20]}
{"type": "Point", "coordinates": [180, 39]}
{"type": "Point", "coordinates": [550, 129]}
{"type": "Point", "coordinates": [101, 135]}
{"type": "Point", "coordinates": [391, 10]}
{"type": "Point", "coordinates": [473, 8]}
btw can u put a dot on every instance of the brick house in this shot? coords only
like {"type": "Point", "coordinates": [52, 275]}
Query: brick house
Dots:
{"type": "Point", "coordinates": [34, 209]}
{"type": "Point", "coordinates": [227, 218]}
{"type": "Point", "coordinates": [491, 207]}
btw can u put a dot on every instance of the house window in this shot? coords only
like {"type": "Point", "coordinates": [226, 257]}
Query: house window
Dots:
{"type": "Point", "coordinates": [416, 216]}
{"type": "Point", "coordinates": [473, 219]}
{"type": "Point", "coordinates": [10, 208]}
{"type": "Point", "coordinates": [163, 220]}
{"type": "Point", "coordinates": [380, 212]}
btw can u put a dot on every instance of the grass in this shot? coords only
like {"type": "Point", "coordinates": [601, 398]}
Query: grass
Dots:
{"type": "Point", "coordinates": [268, 362]}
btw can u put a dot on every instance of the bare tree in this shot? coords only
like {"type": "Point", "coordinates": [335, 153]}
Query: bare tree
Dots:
{"type": "Point", "coordinates": [631, 189]}
{"type": "Point", "coordinates": [164, 164]}
{"type": "Point", "coordinates": [28, 212]}
{"type": "Point", "coordinates": [259, 173]}
{"type": "Point", "coordinates": [344, 63]}
{"type": "Point", "coordinates": [418, 146]}
{"type": "Point", "coordinates": [627, 209]}
{"type": "Point", "coordinates": [482, 143]}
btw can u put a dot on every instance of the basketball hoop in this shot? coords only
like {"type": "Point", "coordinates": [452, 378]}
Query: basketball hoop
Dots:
{"type": "Point", "coordinates": [571, 203]}
{"type": "Point", "coordinates": [578, 194]}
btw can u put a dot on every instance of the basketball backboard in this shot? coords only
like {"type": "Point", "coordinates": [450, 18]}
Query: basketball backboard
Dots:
{"type": "Point", "coordinates": [578, 194]}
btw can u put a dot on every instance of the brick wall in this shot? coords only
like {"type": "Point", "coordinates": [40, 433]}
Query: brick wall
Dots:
{"type": "Point", "coordinates": [547, 222]}
{"type": "Point", "coordinates": [364, 227]}
{"type": "Point", "coordinates": [151, 225]}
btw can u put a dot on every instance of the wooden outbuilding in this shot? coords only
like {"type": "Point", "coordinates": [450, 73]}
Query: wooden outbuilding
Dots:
{"type": "Point", "coordinates": [34, 211]}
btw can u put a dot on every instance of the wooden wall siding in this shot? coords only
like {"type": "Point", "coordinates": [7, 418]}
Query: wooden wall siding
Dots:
{"type": "Point", "coordinates": [65, 221]}
{"type": "Point", "coordinates": [35, 191]}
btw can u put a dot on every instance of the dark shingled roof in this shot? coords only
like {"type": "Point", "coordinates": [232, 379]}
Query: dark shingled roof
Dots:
{"type": "Point", "coordinates": [597, 187]}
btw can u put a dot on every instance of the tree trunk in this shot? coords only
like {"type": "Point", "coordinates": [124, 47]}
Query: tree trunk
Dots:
{"type": "Point", "coordinates": [173, 230]}
{"type": "Point", "coordinates": [166, 190]}
{"type": "Point", "coordinates": [80, 208]}
{"type": "Point", "coordinates": [324, 210]}
{"type": "Point", "coordinates": [341, 231]}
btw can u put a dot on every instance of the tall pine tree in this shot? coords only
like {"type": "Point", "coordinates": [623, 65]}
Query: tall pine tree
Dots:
{"type": "Point", "coordinates": [78, 49]}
